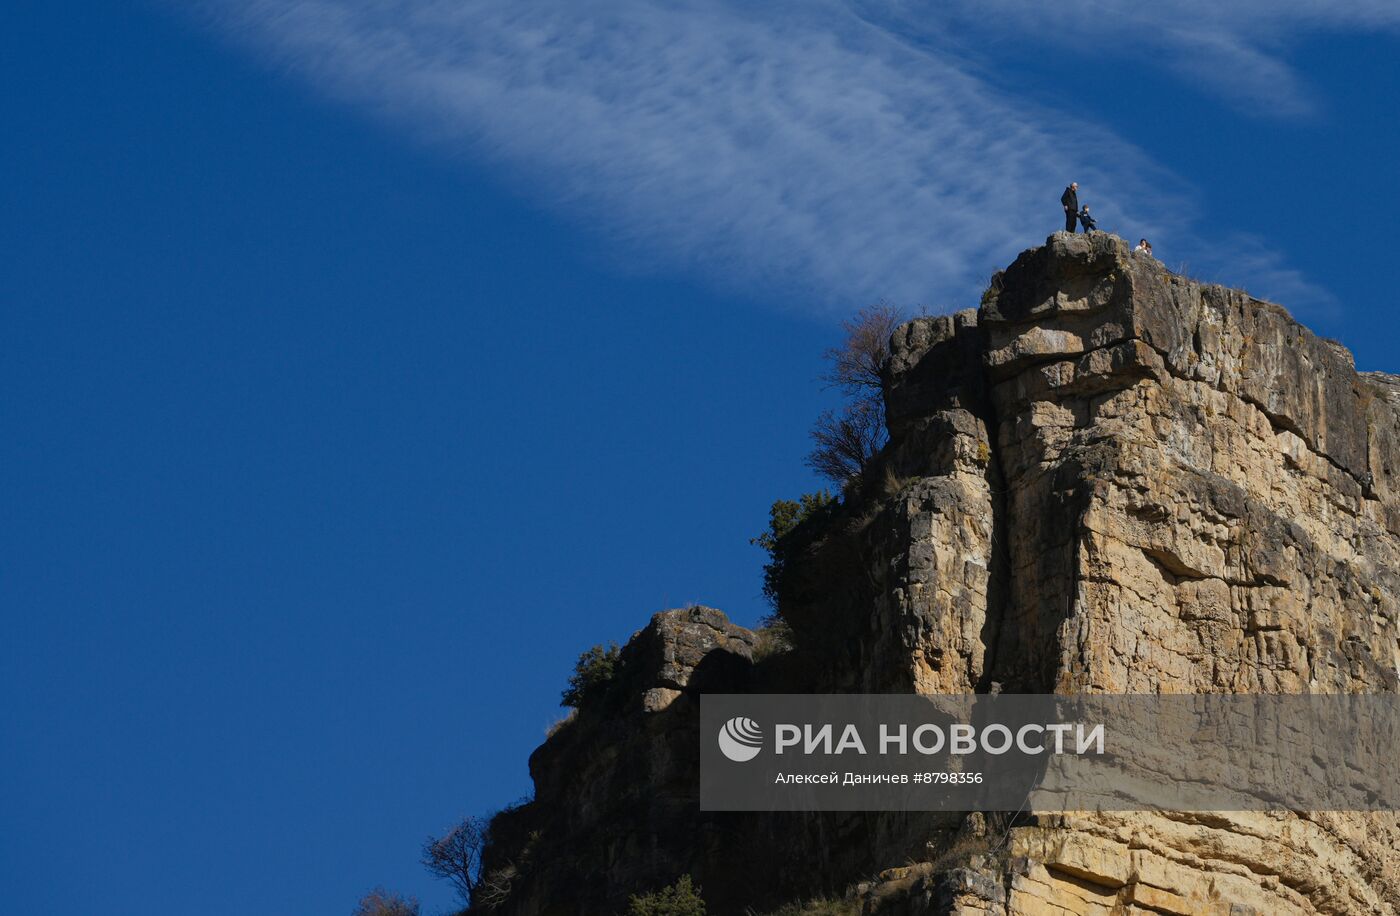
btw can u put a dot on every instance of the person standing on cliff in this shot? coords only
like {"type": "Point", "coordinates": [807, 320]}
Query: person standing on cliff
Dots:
{"type": "Point", "coordinates": [1070, 201]}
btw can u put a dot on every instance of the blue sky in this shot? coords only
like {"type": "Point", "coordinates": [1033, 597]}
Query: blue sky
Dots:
{"type": "Point", "coordinates": [364, 362]}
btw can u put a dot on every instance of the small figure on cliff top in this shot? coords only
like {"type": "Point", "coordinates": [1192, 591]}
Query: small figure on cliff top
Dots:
{"type": "Point", "coordinates": [1070, 201]}
{"type": "Point", "coordinates": [1086, 220]}
{"type": "Point", "coordinates": [1143, 247]}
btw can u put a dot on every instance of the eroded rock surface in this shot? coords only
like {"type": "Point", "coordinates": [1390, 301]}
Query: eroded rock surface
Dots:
{"type": "Point", "coordinates": [1107, 479]}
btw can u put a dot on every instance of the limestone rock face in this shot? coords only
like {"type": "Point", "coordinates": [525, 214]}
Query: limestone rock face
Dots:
{"type": "Point", "coordinates": [1200, 486]}
{"type": "Point", "coordinates": [1106, 479]}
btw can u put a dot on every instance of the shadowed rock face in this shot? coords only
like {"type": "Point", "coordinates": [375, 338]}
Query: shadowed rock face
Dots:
{"type": "Point", "coordinates": [1106, 479]}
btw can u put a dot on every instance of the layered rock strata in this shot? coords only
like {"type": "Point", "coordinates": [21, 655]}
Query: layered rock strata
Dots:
{"type": "Point", "coordinates": [1106, 479]}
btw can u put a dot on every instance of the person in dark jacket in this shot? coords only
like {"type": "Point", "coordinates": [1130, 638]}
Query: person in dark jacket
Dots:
{"type": "Point", "coordinates": [1086, 220]}
{"type": "Point", "coordinates": [1070, 201]}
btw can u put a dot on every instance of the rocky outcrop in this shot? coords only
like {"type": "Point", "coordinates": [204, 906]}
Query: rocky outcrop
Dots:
{"type": "Point", "coordinates": [615, 807]}
{"type": "Point", "coordinates": [610, 778]}
{"type": "Point", "coordinates": [1106, 479]}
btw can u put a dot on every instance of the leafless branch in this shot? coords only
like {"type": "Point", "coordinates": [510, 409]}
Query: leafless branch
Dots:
{"type": "Point", "coordinates": [845, 443]}
{"type": "Point", "coordinates": [856, 366]}
{"type": "Point", "coordinates": [457, 855]}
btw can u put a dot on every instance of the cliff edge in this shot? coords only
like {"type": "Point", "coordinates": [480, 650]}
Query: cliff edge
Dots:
{"type": "Point", "coordinates": [1107, 479]}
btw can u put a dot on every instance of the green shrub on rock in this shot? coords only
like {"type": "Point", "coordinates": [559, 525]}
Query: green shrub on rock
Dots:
{"type": "Point", "coordinates": [680, 899]}
{"type": "Point", "coordinates": [593, 674]}
{"type": "Point", "coordinates": [792, 525]}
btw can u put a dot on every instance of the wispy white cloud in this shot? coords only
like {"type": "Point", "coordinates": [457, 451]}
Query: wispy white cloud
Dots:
{"type": "Point", "coordinates": [1244, 260]}
{"type": "Point", "coordinates": [808, 148]}
{"type": "Point", "coordinates": [1235, 49]}
{"type": "Point", "coordinates": [796, 148]}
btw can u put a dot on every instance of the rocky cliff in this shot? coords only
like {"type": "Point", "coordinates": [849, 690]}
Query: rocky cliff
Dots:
{"type": "Point", "coordinates": [1106, 479]}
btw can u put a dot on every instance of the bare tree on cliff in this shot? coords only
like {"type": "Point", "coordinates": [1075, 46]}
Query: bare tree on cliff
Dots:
{"type": "Point", "coordinates": [846, 441]}
{"type": "Point", "coordinates": [456, 856]}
